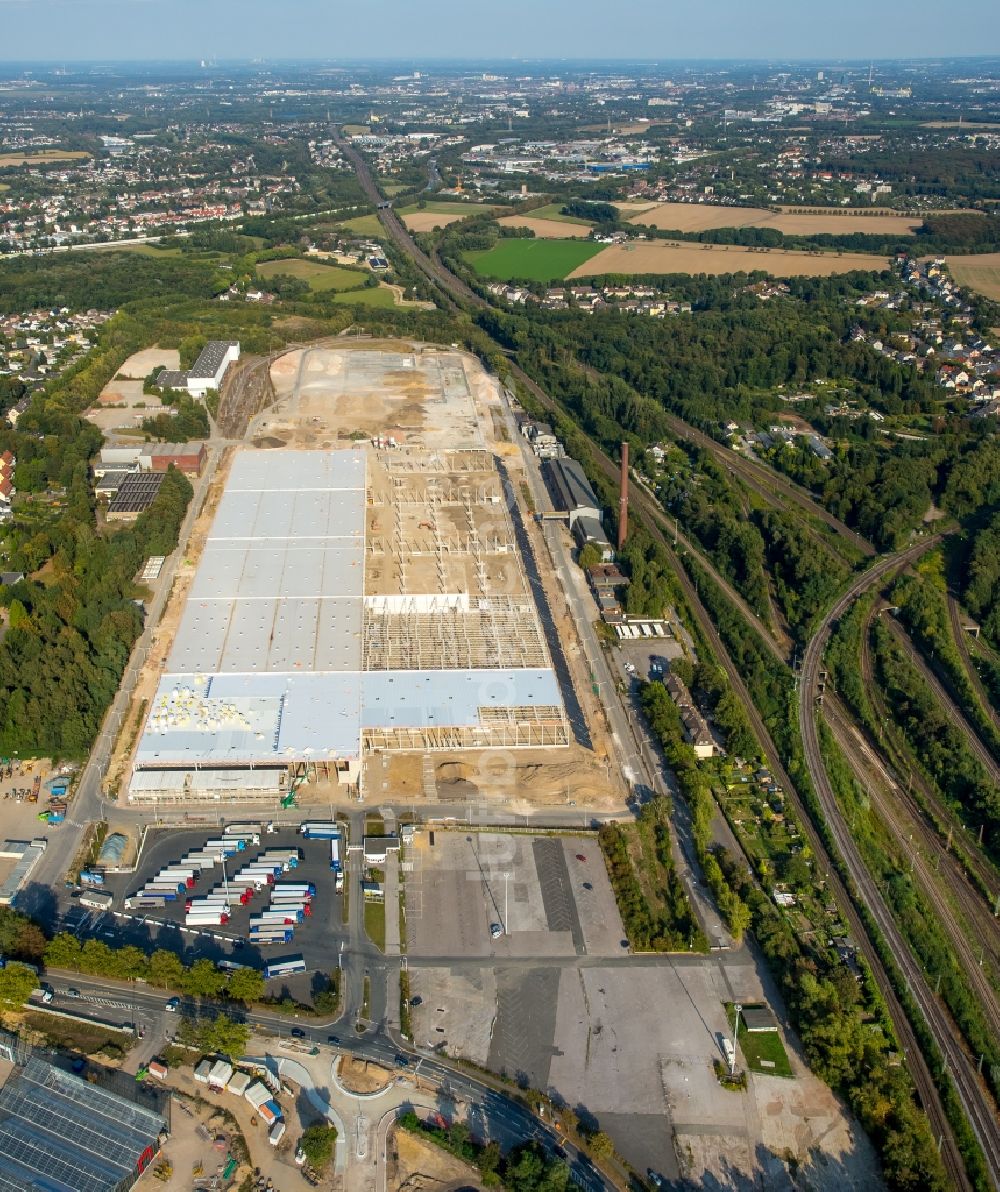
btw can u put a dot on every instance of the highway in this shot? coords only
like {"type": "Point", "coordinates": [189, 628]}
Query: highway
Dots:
{"type": "Point", "coordinates": [973, 1100]}
{"type": "Point", "coordinates": [976, 1103]}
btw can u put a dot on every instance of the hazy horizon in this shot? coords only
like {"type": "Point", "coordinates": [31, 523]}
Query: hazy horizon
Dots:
{"type": "Point", "coordinates": [63, 31]}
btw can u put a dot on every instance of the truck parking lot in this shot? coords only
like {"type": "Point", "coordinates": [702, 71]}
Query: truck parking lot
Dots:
{"type": "Point", "coordinates": [316, 937]}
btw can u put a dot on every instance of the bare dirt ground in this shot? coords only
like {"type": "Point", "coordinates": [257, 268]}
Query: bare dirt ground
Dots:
{"type": "Point", "coordinates": [140, 364]}
{"type": "Point", "coordinates": [419, 1166]}
{"type": "Point", "coordinates": [427, 221]}
{"type": "Point", "coordinates": [190, 1151]}
{"type": "Point", "coordinates": [436, 400]}
{"type": "Point", "coordinates": [793, 221]}
{"type": "Point", "coordinates": [546, 229]}
{"type": "Point", "coordinates": [360, 1076]}
{"type": "Point", "coordinates": [122, 405]}
{"type": "Point", "coordinates": [665, 256]}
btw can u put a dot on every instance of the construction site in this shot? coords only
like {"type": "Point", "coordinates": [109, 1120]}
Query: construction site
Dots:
{"type": "Point", "coordinates": [357, 613]}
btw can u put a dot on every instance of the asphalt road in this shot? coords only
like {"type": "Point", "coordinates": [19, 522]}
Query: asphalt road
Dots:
{"type": "Point", "coordinates": [146, 1008]}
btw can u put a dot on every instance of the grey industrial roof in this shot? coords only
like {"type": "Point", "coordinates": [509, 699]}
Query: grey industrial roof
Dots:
{"type": "Point", "coordinates": [210, 357]}
{"type": "Point", "coordinates": [171, 378]}
{"type": "Point", "coordinates": [62, 1134]}
{"type": "Point", "coordinates": [452, 698]}
{"type": "Point", "coordinates": [136, 492]}
{"type": "Point", "coordinates": [570, 487]}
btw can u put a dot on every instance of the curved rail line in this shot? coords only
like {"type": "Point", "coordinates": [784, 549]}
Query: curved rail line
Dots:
{"type": "Point", "coordinates": [954, 713]}
{"type": "Point", "coordinates": [976, 1103]}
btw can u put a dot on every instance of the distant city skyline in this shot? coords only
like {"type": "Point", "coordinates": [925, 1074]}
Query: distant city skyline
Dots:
{"type": "Point", "coordinates": [102, 30]}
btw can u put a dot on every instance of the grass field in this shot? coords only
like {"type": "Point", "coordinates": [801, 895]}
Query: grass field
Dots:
{"type": "Point", "coordinates": [375, 923]}
{"type": "Point", "coordinates": [554, 211]}
{"type": "Point", "coordinates": [535, 260]}
{"type": "Point", "coordinates": [31, 159]}
{"type": "Point", "coordinates": [980, 273]}
{"type": "Point", "coordinates": [367, 297]}
{"type": "Point", "coordinates": [703, 217]}
{"type": "Point", "coordinates": [319, 277]}
{"type": "Point", "coordinates": [665, 256]}
{"type": "Point", "coordinates": [147, 250]}
{"type": "Point", "coordinates": [763, 1050]}
{"type": "Point", "coordinates": [364, 225]}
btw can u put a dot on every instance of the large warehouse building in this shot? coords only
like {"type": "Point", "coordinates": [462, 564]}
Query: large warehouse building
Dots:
{"type": "Point", "coordinates": [288, 655]}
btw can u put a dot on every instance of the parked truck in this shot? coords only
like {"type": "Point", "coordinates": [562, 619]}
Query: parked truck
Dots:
{"type": "Point", "coordinates": [319, 829]}
{"type": "Point", "coordinates": [91, 877]}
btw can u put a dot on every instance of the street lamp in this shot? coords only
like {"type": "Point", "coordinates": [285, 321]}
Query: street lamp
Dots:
{"type": "Point", "coordinates": [737, 1008]}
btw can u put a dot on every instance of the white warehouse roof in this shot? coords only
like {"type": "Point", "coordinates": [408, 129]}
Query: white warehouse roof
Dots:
{"type": "Point", "coordinates": [266, 667]}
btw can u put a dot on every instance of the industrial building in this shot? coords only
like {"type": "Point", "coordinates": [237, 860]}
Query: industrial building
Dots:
{"type": "Point", "coordinates": [64, 1134]}
{"type": "Point", "coordinates": [135, 494]}
{"type": "Point", "coordinates": [188, 458]}
{"type": "Point", "coordinates": [345, 601]}
{"type": "Point", "coordinates": [207, 372]}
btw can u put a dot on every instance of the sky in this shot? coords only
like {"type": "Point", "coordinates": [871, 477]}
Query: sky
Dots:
{"type": "Point", "coordinates": [74, 30]}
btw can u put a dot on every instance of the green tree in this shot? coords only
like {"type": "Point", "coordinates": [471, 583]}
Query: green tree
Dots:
{"type": "Point", "coordinates": [63, 952]}
{"type": "Point", "coordinates": [601, 1145]}
{"type": "Point", "coordinates": [97, 958]}
{"type": "Point", "coordinates": [317, 1144]}
{"type": "Point", "coordinates": [166, 969]}
{"type": "Point", "coordinates": [16, 984]}
{"type": "Point", "coordinates": [245, 985]}
{"type": "Point", "coordinates": [203, 979]}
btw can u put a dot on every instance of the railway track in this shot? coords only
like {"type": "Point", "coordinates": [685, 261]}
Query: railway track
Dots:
{"type": "Point", "coordinates": [766, 483]}
{"type": "Point", "coordinates": [931, 863]}
{"type": "Point", "coordinates": [937, 814]}
{"type": "Point", "coordinates": [976, 1103]}
{"type": "Point", "coordinates": [954, 713]}
{"type": "Point", "coordinates": [455, 288]}
{"type": "Point", "coordinates": [962, 645]}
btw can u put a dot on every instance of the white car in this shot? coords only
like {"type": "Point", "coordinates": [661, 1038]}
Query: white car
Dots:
{"type": "Point", "coordinates": [173, 1005]}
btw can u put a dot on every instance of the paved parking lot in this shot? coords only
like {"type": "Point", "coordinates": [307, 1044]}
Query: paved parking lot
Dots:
{"type": "Point", "coordinates": [549, 902]}
{"type": "Point", "coordinates": [318, 937]}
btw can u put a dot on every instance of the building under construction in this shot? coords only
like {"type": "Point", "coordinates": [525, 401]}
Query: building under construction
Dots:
{"type": "Point", "coordinates": [369, 598]}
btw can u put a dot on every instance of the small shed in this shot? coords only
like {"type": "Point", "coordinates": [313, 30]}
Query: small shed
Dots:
{"type": "Point", "coordinates": [759, 1020]}
{"type": "Point", "coordinates": [218, 1077]}
{"type": "Point", "coordinates": [239, 1082]}
{"type": "Point", "coordinates": [202, 1070]}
